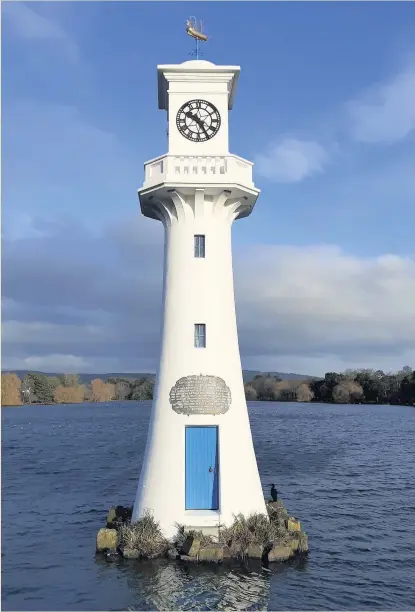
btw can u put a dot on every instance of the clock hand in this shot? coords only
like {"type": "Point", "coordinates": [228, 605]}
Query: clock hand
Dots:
{"type": "Point", "coordinates": [202, 123]}
{"type": "Point", "coordinates": [194, 117]}
{"type": "Point", "coordinates": [209, 127]}
{"type": "Point", "coordinates": [197, 120]}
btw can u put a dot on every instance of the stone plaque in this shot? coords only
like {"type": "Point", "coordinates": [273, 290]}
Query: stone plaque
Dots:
{"type": "Point", "coordinates": [200, 394]}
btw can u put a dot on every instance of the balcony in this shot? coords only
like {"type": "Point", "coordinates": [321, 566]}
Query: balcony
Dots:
{"type": "Point", "coordinates": [205, 170]}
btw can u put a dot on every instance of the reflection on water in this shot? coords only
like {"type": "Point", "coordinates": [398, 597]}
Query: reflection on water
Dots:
{"type": "Point", "coordinates": [180, 586]}
{"type": "Point", "coordinates": [167, 585]}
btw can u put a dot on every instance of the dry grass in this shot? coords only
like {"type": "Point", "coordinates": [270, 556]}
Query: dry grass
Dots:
{"type": "Point", "coordinates": [247, 531]}
{"type": "Point", "coordinates": [180, 537]}
{"type": "Point", "coordinates": [278, 515]}
{"type": "Point", "coordinates": [205, 540]}
{"type": "Point", "coordinates": [276, 511]}
{"type": "Point", "coordinates": [145, 536]}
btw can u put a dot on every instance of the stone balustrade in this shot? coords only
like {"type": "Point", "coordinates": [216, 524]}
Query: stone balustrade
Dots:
{"type": "Point", "coordinates": [204, 170]}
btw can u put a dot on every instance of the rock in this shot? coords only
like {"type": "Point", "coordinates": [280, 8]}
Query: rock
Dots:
{"type": "Point", "coordinates": [213, 552]}
{"type": "Point", "coordinates": [173, 554]}
{"type": "Point", "coordinates": [130, 553]}
{"type": "Point", "coordinates": [191, 546]}
{"type": "Point", "coordinates": [293, 544]}
{"type": "Point", "coordinates": [180, 539]}
{"type": "Point", "coordinates": [112, 553]}
{"type": "Point", "coordinates": [276, 510]}
{"type": "Point", "coordinates": [280, 524]}
{"type": "Point", "coordinates": [117, 516]}
{"type": "Point", "coordinates": [123, 513]}
{"type": "Point", "coordinates": [235, 550]}
{"type": "Point", "coordinates": [226, 553]}
{"type": "Point", "coordinates": [293, 524]}
{"type": "Point", "coordinates": [279, 553]}
{"type": "Point", "coordinates": [111, 515]}
{"type": "Point", "coordinates": [106, 539]}
{"type": "Point", "coordinates": [277, 514]}
{"type": "Point", "coordinates": [255, 551]}
{"type": "Point", "coordinates": [187, 558]}
{"type": "Point", "coordinates": [302, 543]}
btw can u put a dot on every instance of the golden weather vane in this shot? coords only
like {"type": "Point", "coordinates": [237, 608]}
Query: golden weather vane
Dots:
{"type": "Point", "coordinates": [195, 30]}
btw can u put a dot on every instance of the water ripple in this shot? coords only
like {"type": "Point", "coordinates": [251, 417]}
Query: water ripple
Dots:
{"type": "Point", "coordinates": [346, 472]}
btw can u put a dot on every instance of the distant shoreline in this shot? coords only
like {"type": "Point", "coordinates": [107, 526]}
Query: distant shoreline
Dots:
{"type": "Point", "coordinates": [248, 402]}
{"type": "Point", "coordinates": [350, 387]}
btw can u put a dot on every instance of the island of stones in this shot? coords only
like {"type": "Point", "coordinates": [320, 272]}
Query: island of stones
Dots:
{"type": "Point", "coordinates": [199, 496]}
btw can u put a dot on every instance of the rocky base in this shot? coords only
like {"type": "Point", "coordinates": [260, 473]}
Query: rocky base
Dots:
{"type": "Point", "coordinates": [281, 539]}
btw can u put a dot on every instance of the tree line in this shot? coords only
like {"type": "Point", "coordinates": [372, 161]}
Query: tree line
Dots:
{"type": "Point", "coordinates": [37, 388]}
{"type": "Point", "coordinates": [350, 387]}
{"type": "Point", "coordinates": [363, 386]}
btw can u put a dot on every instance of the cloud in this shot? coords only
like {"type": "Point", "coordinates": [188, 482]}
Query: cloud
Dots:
{"type": "Point", "coordinates": [78, 301]}
{"type": "Point", "coordinates": [316, 301]}
{"type": "Point", "coordinates": [29, 25]}
{"type": "Point", "coordinates": [382, 114]}
{"type": "Point", "coordinates": [386, 112]}
{"type": "Point", "coordinates": [51, 363]}
{"type": "Point", "coordinates": [292, 160]}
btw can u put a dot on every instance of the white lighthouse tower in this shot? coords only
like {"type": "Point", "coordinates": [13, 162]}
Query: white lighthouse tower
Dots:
{"type": "Point", "coordinates": [199, 467]}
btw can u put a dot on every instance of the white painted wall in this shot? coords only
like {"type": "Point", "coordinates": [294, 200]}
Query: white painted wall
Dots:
{"type": "Point", "coordinates": [198, 290]}
{"type": "Point", "coordinates": [191, 80]}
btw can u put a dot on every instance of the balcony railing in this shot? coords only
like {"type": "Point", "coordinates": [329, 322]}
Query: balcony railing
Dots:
{"type": "Point", "coordinates": [188, 169]}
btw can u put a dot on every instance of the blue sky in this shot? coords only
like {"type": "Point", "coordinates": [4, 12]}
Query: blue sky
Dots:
{"type": "Point", "coordinates": [325, 107]}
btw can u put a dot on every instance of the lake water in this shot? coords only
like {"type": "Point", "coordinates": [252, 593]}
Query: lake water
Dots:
{"type": "Point", "coordinates": [347, 472]}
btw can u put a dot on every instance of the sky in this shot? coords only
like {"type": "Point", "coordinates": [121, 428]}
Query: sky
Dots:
{"type": "Point", "coordinates": [325, 265]}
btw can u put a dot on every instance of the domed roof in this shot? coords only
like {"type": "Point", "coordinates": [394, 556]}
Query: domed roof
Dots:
{"type": "Point", "coordinates": [197, 64]}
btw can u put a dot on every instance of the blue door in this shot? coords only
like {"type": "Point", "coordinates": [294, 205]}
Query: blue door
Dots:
{"type": "Point", "coordinates": [202, 468]}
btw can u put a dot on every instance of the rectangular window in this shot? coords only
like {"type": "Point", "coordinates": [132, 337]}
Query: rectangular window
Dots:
{"type": "Point", "coordinates": [199, 245]}
{"type": "Point", "coordinates": [200, 335]}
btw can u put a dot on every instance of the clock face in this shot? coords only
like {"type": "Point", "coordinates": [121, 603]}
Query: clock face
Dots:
{"type": "Point", "coordinates": [198, 120]}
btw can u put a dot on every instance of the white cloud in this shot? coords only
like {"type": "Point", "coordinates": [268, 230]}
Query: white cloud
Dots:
{"type": "Point", "coordinates": [292, 160]}
{"type": "Point", "coordinates": [27, 24]}
{"type": "Point", "coordinates": [382, 114]}
{"type": "Point", "coordinates": [319, 302]}
{"type": "Point", "coordinates": [306, 309]}
{"type": "Point", "coordinates": [49, 363]}
{"type": "Point", "coordinates": [386, 112]}
{"type": "Point", "coordinates": [41, 333]}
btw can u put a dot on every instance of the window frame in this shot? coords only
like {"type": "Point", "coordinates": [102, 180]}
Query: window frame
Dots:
{"type": "Point", "coordinates": [199, 337]}
{"type": "Point", "coordinates": [199, 246]}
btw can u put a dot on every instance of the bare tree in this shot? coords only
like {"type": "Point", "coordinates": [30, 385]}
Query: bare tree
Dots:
{"type": "Point", "coordinates": [250, 394]}
{"type": "Point", "coordinates": [286, 390]}
{"type": "Point", "coordinates": [122, 390]}
{"type": "Point", "coordinates": [101, 391]}
{"type": "Point", "coordinates": [69, 395]}
{"type": "Point", "coordinates": [304, 393]}
{"type": "Point", "coordinates": [347, 391]}
{"type": "Point", "coordinates": [10, 390]}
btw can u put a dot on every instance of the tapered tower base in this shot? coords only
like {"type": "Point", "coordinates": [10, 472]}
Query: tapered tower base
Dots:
{"type": "Point", "coordinates": [199, 468]}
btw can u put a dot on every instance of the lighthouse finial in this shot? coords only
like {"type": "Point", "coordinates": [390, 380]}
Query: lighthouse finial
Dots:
{"type": "Point", "coordinates": [195, 30]}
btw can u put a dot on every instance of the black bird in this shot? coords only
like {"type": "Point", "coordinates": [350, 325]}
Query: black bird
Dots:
{"type": "Point", "coordinates": [274, 493]}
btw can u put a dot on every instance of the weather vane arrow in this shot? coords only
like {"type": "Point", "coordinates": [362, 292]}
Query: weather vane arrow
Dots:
{"type": "Point", "coordinates": [195, 30]}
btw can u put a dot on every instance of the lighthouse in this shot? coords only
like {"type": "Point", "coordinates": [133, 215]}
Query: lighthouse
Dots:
{"type": "Point", "coordinates": [199, 468]}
